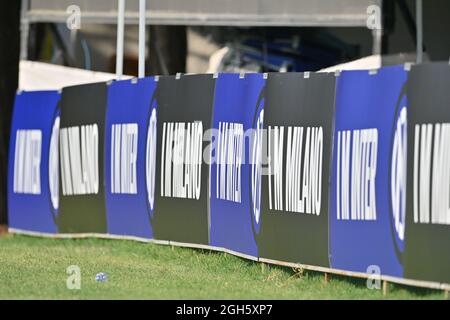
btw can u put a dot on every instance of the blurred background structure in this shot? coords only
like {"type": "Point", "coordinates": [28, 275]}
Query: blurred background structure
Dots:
{"type": "Point", "coordinates": [198, 36]}
{"type": "Point", "coordinates": [250, 35]}
{"type": "Point", "coordinates": [9, 77]}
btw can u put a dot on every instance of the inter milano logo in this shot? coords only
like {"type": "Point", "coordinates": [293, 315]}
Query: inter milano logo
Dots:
{"type": "Point", "coordinates": [431, 174]}
{"type": "Point", "coordinates": [229, 161]}
{"type": "Point", "coordinates": [181, 159]}
{"type": "Point", "coordinates": [79, 160]}
{"type": "Point", "coordinates": [299, 189]}
{"type": "Point", "coordinates": [124, 142]}
{"type": "Point", "coordinates": [27, 162]}
{"type": "Point", "coordinates": [357, 152]}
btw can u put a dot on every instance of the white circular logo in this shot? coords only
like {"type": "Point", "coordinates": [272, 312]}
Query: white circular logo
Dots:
{"type": "Point", "coordinates": [150, 162]}
{"type": "Point", "coordinates": [53, 170]}
{"type": "Point", "coordinates": [257, 167]}
{"type": "Point", "coordinates": [398, 174]}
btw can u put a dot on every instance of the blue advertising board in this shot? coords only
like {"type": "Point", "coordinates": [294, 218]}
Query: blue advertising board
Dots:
{"type": "Point", "coordinates": [237, 101]}
{"type": "Point", "coordinates": [368, 183]}
{"type": "Point", "coordinates": [33, 195]}
{"type": "Point", "coordinates": [348, 172]}
{"type": "Point", "coordinates": [130, 156]}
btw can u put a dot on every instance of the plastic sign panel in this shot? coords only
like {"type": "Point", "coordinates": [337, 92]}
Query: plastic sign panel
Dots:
{"type": "Point", "coordinates": [33, 195]}
{"type": "Point", "coordinates": [346, 171]}
{"type": "Point", "coordinates": [185, 106]}
{"type": "Point", "coordinates": [238, 102]}
{"type": "Point", "coordinates": [130, 156]}
{"type": "Point", "coordinates": [295, 168]}
{"type": "Point", "coordinates": [81, 142]}
{"type": "Point", "coordinates": [428, 196]}
{"type": "Point", "coordinates": [368, 182]}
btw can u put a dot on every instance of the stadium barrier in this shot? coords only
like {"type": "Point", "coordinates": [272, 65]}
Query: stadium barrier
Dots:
{"type": "Point", "coordinates": [344, 173]}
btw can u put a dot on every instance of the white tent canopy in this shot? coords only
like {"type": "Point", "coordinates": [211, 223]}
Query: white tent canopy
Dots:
{"type": "Point", "coordinates": [43, 76]}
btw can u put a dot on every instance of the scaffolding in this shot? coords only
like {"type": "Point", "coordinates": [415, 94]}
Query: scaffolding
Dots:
{"type": "Point", "coordinates": [287, 13]}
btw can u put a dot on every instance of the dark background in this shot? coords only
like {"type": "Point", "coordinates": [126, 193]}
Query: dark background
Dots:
{"type": "Point", "coordinates": [9, 76]}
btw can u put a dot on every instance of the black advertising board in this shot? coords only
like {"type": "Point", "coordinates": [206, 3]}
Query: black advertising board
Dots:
{"type": "Point", "coordinates": [268, 186]}
{"type": "Point", "coordinates": [81, 153]}
{"type": "Point", "coordinates": [428, 189]}
{"type": "Point", "coordinates": [182, 174]}
{"type": "Point", "coordinates": [298, 122]}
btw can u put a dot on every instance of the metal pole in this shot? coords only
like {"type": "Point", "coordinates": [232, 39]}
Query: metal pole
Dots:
{"type": "Point", "coordinates": [419, 28]}
{"type": "Point", "coordinates": [377, 37]}
{"type": "Point", "coordinates": [24, 30]}
{"type": "Point", "coordinates": [142, 12]}
{"type": "Point", "coordinates": [120, 38]}
{"type": "Point", "coordinates": [377, 30]}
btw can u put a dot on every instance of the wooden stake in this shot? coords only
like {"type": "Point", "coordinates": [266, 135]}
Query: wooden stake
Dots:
{"type": "Point", "coordinates": [327, 277]}
{"type": "Point", "coordinates": [385, 287]}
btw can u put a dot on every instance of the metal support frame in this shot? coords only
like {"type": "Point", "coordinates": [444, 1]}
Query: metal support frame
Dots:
{"type": "Point", "coordinates": [377, 36]}
{"type": "Point", "coordinates": [178, 12]}
{"type": "Point", "coordinates": [419, 30]}
{"type": "Point", "coordinates": [120, 38]}
{"type": "Point", "coordinates": [24, 30]}
{"type": "Point", "coordinates": [142, 44]}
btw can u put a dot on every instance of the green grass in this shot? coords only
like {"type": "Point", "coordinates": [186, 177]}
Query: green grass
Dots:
{"type": "Point", "coordinates": [35, 268]}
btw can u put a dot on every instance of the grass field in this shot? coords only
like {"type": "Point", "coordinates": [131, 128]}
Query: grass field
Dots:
{"type": "Point", "coordinates": [35, 268]}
